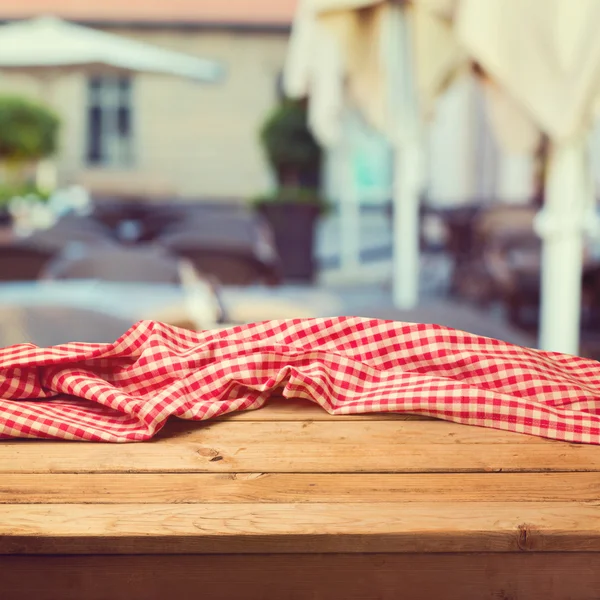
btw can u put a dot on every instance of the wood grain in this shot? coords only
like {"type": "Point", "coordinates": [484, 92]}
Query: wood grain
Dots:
{"type": "Point", "coordinates": [265, 502]}
{"type": "Point", "coordinates": [290, 528]}
{"type": "Point", "coordinates": [491, 576]}
{"type": "Point", "coordinates": [190, 488]}
{"type": "Point", "coordinates": [390, 432]}
{"type": "Point", "coordinates": [319, 447]}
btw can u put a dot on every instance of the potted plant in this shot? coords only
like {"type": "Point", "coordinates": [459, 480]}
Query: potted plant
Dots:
{"type": "Point", "coordinates": [28, 133]}
{"type": "Point", "coordinates": [292, 214]}
{"type": "Point", "coordinates": [293, 209]}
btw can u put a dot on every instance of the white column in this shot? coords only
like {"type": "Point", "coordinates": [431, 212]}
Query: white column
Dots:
{"type": "Point", "coordinates": [407, 187]}
{"type": "Point", "coordinates": [406, 136]}
{"type": "Point", "coordinates": [561, 226]}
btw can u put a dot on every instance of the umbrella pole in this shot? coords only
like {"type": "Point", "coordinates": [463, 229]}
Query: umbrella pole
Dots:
{"type": "Point", "coordinates": [407, 165]}
{"type": "Point", "coordinates": [560, 224]}
{"type": "Point", "coordinates": [408, 156]}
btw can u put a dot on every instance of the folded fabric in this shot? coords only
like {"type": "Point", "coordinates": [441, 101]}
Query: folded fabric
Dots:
{"type": "Point", "coordinates": [126, 391]}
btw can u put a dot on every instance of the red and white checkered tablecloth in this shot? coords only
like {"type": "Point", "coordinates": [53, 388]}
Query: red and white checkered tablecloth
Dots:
{"type": "Point", "coordinates": [125, 391]}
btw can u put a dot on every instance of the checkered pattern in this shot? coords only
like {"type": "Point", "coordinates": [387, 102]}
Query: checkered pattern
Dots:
{"type": "Point", "coordinates": [125, 391]}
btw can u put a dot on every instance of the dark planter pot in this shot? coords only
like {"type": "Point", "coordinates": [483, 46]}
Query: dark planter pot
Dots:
{"type": "Point", "coordinates": [5, 218]}
{"type": "Point", "coordinates": [293, 226]}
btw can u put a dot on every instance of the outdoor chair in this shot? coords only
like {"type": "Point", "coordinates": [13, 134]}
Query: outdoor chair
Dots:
{"type": "Point", "coordinates": [481, 241]}
{"type": "Point", "coordinates": [228, 267]}
{"type": "Point", "coordinates": [234, 250]}
{"type": "Point", "coordinates": [72, 230]}
{"type": "Point", "coordinates": [118, 263]}
{"type": "Point", "coordinates": [512, 264]}
{"type": "Point", "coordinates": [23, 262]}
{"type": "Point", "coordinates": [160, 219]}
{"type": "Point", "coordinates": [458, 223]}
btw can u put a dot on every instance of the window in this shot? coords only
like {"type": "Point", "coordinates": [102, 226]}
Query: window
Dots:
{"type": "Point", "coordinates": [109, 122]}
{"type": "Point", "coordinates": [279, 86]}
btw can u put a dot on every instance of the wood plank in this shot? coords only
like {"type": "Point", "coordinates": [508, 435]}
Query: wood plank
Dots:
{"type": "Point", "coordinates": [288, 447]}
{"type": "Point", "coordinates": [347, 432]}
{"type": "Point", "coordinates": [290, 528]}
{"type": "Point", "coordinates": [389, 432]}
{"type": "Point", "coordinates": [491, 576]}
{"type": "Point", "coordinates": [192, 488]}
{"type": "Point", "coordinates": [296, 409]}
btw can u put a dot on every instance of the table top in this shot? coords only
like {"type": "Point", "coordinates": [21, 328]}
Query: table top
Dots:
{"type": "Point", "coordinates": [123, 300]}
{"type": "Point", "coordinates": [144, 300]}
{"type": "Point", "coordinates": [289, 478]}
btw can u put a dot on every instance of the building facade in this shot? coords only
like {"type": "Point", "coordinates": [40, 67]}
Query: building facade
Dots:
{"type": "Point", "coordinates": [158, 135]}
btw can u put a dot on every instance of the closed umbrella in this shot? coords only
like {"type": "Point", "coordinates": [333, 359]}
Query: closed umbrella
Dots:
{"type": "Point", "coordinates": [545, 56]}
{"type": "Point", "coordinates": [383, 60]}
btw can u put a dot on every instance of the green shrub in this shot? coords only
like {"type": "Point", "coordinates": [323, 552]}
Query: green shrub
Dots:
{"type": "Point", "coordinates": [8, 192]}
{"type": "Point", "coordinates": [28, 130]}
{"type": "Point", "coordinates": [288, 143]}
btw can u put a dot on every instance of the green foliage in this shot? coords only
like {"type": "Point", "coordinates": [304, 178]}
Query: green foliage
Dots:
{"type": "Point", "coordinates": [287, 140]}
{"type": "Point", "coordinates": [294, 195]}
{"type": "Point", "coordinates": [28, 130]}
{"type": "Point", "coordinates": [8, 192]}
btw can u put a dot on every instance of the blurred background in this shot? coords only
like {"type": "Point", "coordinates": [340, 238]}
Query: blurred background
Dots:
{"type": "Point", "coordinates": [214, 162]}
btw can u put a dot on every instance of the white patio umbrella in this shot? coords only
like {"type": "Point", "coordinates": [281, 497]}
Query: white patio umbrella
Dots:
{"type": "Point", "coordinates": [389, 63]}
{"type": "Point", "coordinates": [48, 46]}
{"type": "Point", "coordinates": [545, 56]}
{"type": "Point", "coordinates": [47, 43]}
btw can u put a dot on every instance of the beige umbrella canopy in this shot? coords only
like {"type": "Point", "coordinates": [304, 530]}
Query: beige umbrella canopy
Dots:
{"type": "Point", "coordinates": [544, 53]}
{"type": "Point", "coordinates": [545, 56]}
{"type": "Point", "coordinates": [390, 64]}
{"type": "Point", "coordinates": [339, 53]}
{"type": "Point", "coordinates": [541, 66]}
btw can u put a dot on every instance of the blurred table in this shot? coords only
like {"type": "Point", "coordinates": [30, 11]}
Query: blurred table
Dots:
{"type": "Point", "coordinates": [121, 300]}
{"type": "Point", "coordinates": [22, 303]}
{"type": "Point", "coordinates": [53, 325]}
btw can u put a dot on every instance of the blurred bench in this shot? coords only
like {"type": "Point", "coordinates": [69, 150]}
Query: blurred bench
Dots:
{"type": "Point", "coordinates": [223, 239]}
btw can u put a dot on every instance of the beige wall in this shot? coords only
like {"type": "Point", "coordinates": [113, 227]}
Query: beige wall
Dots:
{"type": "Point", "coordinates": [197, 140]}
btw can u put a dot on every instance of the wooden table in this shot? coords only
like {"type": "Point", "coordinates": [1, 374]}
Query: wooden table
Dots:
{"type": "Point", "coordinates": [288, 502]}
